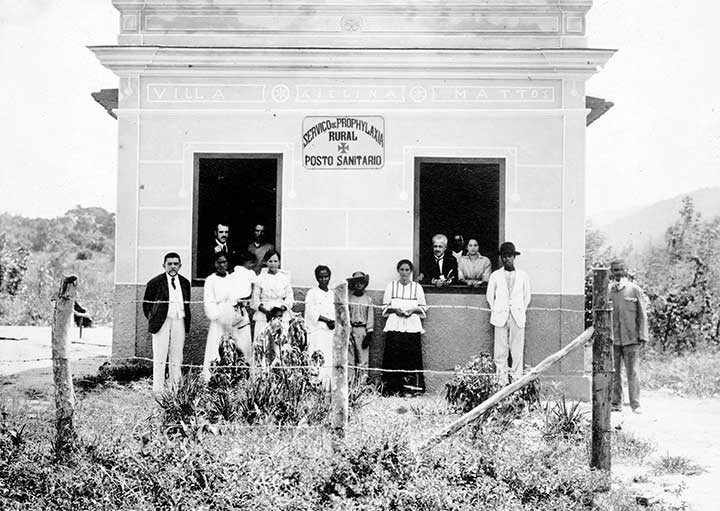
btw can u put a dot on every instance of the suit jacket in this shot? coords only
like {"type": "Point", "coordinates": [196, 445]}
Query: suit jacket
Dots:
{"type": "Point", "coordinates": [629, 318]}
{"type": "Point", "coordinates": [229, 253]}
{"type": "Point", "coordinates": [157, 290]}
{"type": "Point", "coordinates": [449, 264]}
{"type": "Point", "coordinates": [503, 303]}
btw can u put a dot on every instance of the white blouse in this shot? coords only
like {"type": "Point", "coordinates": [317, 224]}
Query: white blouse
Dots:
{"type": "Point", "coordinates": [272, 290]}
{"type": "Point", "coordinates": [404, 297]}
{"type": "Point", "coordinates": [219, 298]}
{"type": "Point", "coordinates": [244, 280]}
{"type": "Point", "coordinates": [478, 269]}
{"type": "Point", "coordinates": [318, 303]}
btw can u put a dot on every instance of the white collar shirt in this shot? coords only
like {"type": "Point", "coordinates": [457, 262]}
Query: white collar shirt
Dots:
{"type": "Point", "coordinates": [176, 308]}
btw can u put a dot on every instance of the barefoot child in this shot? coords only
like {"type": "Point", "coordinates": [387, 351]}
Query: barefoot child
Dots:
{"type": "Point", "coordinates": [362, 320]}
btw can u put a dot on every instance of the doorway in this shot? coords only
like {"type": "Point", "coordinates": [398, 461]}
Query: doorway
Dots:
{"type": "Point", "coordinates": [237, 190]}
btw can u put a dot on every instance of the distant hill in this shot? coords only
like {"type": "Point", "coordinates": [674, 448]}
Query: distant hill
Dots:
{"type": "Point", "coordinates": [646, 225]}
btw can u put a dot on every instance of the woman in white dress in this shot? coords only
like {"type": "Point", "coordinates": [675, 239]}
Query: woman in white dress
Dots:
{"type": "Point", "coordinates": [404, 307]}
{"type": "Point", "coordinates": [272, 295]}
{"type": "Point", "coordinates": [320, 321]}
{"type": "Point", "coordinates": [474, 268]}
{"type": "Point", "coordinates": [219, 300]}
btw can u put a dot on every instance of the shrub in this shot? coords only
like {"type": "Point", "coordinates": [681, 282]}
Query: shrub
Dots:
{"type": "Point", "coordinates": [561, 419]}
{"type": "Point", "coordinates": [472, 384]}
{"type": "Point", "coordinates": [120, 373]}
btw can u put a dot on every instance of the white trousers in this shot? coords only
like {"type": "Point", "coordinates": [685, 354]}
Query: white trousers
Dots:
{"type": "Point", "coordinates": [509, 339]}
{"type": "Point", "coordinates": [168, 345]}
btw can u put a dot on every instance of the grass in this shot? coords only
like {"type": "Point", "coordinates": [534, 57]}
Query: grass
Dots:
{"type": "Point", "coordinates": [668, 464]}
{"type": "Point", "coordinates": [629, 448]}
{"type": "Point", "coordinates": [693, 375]}
{"type": "Point", "coordinates": [127, 460]}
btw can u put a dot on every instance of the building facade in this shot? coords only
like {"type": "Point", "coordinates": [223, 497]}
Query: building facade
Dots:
{"type": "Point", "coordinates": [355, 131]}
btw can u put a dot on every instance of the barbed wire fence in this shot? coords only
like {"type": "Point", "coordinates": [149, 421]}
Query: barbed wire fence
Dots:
{"type": "Point", "coordinates": [341, 369]}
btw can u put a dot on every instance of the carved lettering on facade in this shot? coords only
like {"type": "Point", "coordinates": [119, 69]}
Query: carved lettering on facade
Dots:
{"type": "Point", "coordinates": [474, 94]}
{"type": "Point", "coordinates": [205, 93]}
{"type": "Point", "coordinates": [357, 93]}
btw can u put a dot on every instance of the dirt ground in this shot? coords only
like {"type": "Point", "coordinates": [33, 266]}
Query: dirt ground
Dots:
{"type": "Point", "coordinates": [678, 426]}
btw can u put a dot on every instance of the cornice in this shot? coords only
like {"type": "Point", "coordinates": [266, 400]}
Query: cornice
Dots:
{"type": "Point", "coordinates": [434, 5]}
{"type": "Point", "coordinates": [355, 23]}
{"type": "Point", "coordinates": [125, 60]}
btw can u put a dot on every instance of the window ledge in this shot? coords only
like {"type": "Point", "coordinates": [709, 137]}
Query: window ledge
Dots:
{"type": "Point", "coordinates": [455, 290]}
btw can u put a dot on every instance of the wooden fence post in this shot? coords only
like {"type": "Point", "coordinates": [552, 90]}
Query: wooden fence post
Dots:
{"type": "Point", "coordinates": [62, 373]}
{"type": "Point", "coordinates": [339, 380]}
{"type": "Point", "coordinates": [602, 371]}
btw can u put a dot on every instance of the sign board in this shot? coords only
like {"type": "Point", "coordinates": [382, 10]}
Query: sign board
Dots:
{"type": "Point", "coordinates": [343, 142]}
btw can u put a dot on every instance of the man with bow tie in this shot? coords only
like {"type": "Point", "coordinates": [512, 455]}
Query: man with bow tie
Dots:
{"type": "Point", "coordinates": [166, 306]}
{"type": "Point", "coordinates": [629, 333]}
{"type": "Point", "coordinates": [443, 270]}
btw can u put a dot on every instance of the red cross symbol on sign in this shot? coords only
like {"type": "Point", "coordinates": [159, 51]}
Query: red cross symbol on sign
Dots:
{"type": "Point", "coordinates": [343, 148]}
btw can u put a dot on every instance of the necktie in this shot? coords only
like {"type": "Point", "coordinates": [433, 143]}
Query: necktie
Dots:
{"type": "Point", "coordinates": [172, 281]}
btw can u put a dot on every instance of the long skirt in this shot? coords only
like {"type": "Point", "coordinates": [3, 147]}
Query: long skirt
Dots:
{"type": "Point", "coordinates": [403, 352]}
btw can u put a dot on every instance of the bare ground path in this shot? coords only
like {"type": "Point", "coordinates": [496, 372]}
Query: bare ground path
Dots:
{"type": "Point", "coordinates": [681, 426]}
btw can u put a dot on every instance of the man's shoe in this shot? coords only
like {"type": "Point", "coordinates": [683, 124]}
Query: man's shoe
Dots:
{"type": "Point", "coordinates": [615, 408]}
{"type": "Point", "coordinates": [638, 410]}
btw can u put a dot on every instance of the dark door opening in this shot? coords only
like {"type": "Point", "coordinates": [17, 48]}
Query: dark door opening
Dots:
{"type": "Point", "coordinates": [239, 191]}
{"type": "Point", "coordinates": [458, 195]}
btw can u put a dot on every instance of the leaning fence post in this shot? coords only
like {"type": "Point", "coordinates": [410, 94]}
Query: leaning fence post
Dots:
{"type": "Point", "coordinates": [602, 371]}
{"type": "Point", "coordinates": [62, 373]}
{"type": "Point", "coordinates": [341, 338]}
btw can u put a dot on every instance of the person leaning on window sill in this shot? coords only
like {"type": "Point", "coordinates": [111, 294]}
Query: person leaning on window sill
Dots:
{"type": "Point", "coordinates": [473, 268]}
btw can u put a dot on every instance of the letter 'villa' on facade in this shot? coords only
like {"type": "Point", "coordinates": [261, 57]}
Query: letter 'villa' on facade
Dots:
{"type": "Point", "coordinates": [457, 113]}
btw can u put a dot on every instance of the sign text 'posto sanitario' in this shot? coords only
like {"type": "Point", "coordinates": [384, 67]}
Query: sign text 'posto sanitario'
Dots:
{"type": "Point", "coordinates": [343, 142]}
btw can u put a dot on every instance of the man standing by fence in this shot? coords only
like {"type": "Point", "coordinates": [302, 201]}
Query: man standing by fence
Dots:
{"type": "Point", "coordinates": [629, 332]}
{"type": "Point", "coordinates": [167, 308]}
{"type": "Point", "coordinates": [508, 294]}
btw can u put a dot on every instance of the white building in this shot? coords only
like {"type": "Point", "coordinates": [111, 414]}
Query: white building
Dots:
{"type": "Point", "coordinates": [355, 130]}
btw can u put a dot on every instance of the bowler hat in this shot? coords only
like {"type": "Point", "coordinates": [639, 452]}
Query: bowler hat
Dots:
{"type": "Point", "coordinates": [357, 278]}
{"type": "Point", "coordinates": [508, 248]}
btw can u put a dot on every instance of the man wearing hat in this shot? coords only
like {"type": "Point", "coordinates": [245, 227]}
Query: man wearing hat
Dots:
{"type": "Point", "coordinates": [508, 294]}
{"type": "Point", "coordinates": [362, 321]}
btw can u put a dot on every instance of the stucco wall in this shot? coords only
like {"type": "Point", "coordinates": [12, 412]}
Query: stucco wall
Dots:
{"type": "Point", "coordinates": [325, 213]}
{"type": "Point", "coordinates": [452, 335]}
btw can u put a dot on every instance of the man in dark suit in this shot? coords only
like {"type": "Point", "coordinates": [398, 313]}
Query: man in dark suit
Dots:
{"type": "Point", "coordinates": [167, 309]}
{"type": "Point", "coordinates": [443, 270]}
{"type": "Point", "coordinates": [221, 245]}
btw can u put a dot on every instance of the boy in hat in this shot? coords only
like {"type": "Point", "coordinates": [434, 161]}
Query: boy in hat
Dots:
{"type": "Point", "coordinates": [362, 320]}
{"type": "Point", "coordinates": [508, 294]}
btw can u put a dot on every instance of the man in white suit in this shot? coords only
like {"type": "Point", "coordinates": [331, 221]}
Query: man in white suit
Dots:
{"type": "Point", "coordinates": [508, 294]}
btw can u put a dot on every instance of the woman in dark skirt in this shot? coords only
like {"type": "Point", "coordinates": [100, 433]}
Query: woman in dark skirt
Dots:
{"type": "Point", "coordinates": [404, 307]}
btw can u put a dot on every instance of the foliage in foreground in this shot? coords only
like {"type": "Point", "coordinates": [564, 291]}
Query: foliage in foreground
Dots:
{"type": "Point", "coordinates": [277, 468]}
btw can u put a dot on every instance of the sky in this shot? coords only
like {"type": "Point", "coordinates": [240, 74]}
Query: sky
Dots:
{"type": "Point", "coordinates": [59, 148]}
